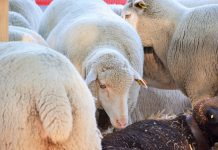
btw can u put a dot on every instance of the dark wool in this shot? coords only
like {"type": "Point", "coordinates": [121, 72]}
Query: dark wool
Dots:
{"type": "Point", "coordinates": [152, 135]}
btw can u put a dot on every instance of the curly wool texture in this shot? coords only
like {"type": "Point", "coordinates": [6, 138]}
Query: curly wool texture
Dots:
{"type": "Point", "coordinates": [102, 46]}
{"type": "Point", "coordinates": [151, 134]}
{"type": "Point", "coordinates": [45, 104]}
{"type": "Point", "coordinates": [25, 35]}
{"type": "Point", "coordinates": [29, 10]}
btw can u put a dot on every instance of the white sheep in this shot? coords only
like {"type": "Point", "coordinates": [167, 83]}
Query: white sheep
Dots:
{"type": "Point", "coordinates": [45, 104]}
{"type": "Point", "coordinates": [103, 47]}
{"type": "Point", "coordinates": [184, 42]}
{"type": "Point", "coordinates": [29, 10]}
{"type": "Point", "coordinates": [16, 19]}
{"type": "Point", "coordinates": [23, 34]}
{"type": "Point", "coordinates": [154, 101]}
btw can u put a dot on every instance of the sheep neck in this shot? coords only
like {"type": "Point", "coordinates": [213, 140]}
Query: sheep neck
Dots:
{"type": "Point", "coordinates": [201, 141]}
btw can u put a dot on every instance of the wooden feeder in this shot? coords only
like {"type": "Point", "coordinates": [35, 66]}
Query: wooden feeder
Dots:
{"type": "Point", "coordinates": [3, 20]}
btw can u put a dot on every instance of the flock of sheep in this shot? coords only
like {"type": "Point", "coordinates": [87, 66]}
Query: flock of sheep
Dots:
{"type": "Point", "coordinates": [76, 72]}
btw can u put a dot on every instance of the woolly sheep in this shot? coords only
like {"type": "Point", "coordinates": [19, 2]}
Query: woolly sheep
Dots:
{"type": "Point", "coordinates": [105, 49]}
{"type": "Point", "coordinates": [184, 42]}
{"type": "Point", "coordinates": [45, 104]}
{"type": "Point", "coordinates": [185, 132]}
{"type": "Point", "coordinates": [152, 101]}
{"type": "Point", "coordinates": [29, 10]}
{"type": "Point", "coordinates": [25, 35]}
{"type": "Point", "coordinates": [16, 19]}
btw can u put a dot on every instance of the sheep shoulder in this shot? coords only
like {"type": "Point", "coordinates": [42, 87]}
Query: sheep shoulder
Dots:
{"type": "Point", "coordinates": [195, 36]}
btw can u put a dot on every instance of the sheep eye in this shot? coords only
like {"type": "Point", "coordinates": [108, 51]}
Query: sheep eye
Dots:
{"type": "Point", "coordinates": [102, 86]}
{"type": "Point", "coordinates": [210, 116]}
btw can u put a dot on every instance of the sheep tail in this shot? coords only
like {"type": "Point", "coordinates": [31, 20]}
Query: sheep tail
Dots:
{"type": "Point", "coordinates": [55, 113]}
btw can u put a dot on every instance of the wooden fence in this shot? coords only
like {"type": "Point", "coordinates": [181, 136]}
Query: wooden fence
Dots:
{"type": "Point", "coordinates": [3, 20]}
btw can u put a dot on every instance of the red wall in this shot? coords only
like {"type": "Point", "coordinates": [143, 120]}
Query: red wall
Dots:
{"type": "Point", "coordinates": [47, 2]}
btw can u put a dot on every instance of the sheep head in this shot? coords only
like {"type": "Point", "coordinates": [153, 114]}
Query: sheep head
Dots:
{"type": "Point", "coordinates": [110, 76]}
{"type": "Point", "coordinates": [206, 114]}
{"type": "Point", "coordinates": [155, 22]}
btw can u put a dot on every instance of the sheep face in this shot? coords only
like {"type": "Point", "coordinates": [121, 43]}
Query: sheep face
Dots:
{"type": "Point", "coordinates": [113, 95]}
{"type": "Point", "coordinates": [113, 77]}
{"type": "Point", "coordinates": [149, 19]}
{"type": "Point", "coordinates": [206, 114]}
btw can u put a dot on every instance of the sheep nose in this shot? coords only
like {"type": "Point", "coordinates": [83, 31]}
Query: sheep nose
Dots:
{"type": "Point", "coordinates": [122, 123]}
{"type": "Point", "coordinates": [212, 114]}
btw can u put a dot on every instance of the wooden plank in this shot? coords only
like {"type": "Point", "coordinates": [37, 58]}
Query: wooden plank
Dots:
{"type": "Point", "coordinates": [3, 20]}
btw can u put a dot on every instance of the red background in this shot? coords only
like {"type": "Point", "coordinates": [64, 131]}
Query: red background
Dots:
{"type": "Point", "coordinates": [47, 2]}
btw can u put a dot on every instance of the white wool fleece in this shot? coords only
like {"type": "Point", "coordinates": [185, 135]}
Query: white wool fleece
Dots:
{"type": "Point", "coordinates": [45, 104]}
{"type": "Point", "coordinates": [184, 42]}
{"type": "Point", "coordinates": [82, 32]}
{"type": "Point", "coordinates": [16, 19]}
{"type": "Point", "coordinates": [29, 10]}
{"type": "Point", "coordinates": [25, 35]}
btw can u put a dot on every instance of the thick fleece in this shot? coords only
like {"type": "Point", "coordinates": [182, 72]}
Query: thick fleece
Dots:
{"type": "Point", "coordinates": [16, 19]}
{"type": "Point", "coordinates": [45, 104]}
{"type": "Point", "coordinates": [184, 43]}
{"type": "Point", "coordinates": [105, 49]}
{"type": "Point", "coordinates": [25, 35]}
{"type": "Point", "coordinates": [29, 10]}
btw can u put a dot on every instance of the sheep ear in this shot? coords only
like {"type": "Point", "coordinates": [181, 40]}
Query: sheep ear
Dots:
{"type": "Point", "coordinates": [139, 79]}
{"type": "Point", "coordinates": [141, 82]}
{"type": "Point", "coordinates": [140, 4]}
{"type": "Point", "coordinates": [92, 76]}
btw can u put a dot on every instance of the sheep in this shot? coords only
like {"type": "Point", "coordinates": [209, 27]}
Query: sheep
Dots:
{"type": "Point", "coordinates": [23, 34]}
{"type": "Point", "coordinates": [185, 132]}
{"type": "Point", "coordinates": [184, 44]}
{"type": "Point", "coordinates": [152, 101]}
{"type": "Point", "coordinates": [16, 19]}
{"type": "Point", "coordinates": [105, 49]}
{"type": "Point", "coordinates": [45, 104]}
{"type": "Point", "coordinates": [195, 3]}
{"type": "Point", "coordinates": [29, 10]}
